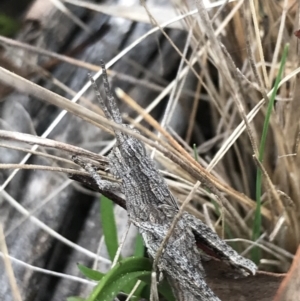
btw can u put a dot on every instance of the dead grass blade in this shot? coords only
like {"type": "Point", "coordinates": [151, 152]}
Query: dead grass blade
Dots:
{"type": "Point", "coordinates": [8, 267]}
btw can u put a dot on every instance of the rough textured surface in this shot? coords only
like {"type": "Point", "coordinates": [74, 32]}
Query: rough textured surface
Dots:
{"type": "Point", "coordinates": [151, 208]}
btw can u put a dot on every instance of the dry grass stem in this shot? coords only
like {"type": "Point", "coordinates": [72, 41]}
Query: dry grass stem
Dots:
{"type": "Point", "coordinates": [8, 267]}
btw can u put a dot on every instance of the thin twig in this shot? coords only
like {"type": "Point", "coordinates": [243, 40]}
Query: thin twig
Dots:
{"type": "Point", "coordinates": [250, 53]}
{"type": "Point", "coordinates": [45, 155]}
{"type": "Point", "coordinates": [259, 45]}
{"type": "Point", "coordinates": [121, 245]}
{"type": "Point", "coordinates": [47, 229]}
{"type": "Point", "coordinates": [8, 267]}
{"type": "Point", "coordinates": [48, 272]}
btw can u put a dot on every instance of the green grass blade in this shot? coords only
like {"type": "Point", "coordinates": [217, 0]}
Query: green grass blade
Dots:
{"type": "Point", "coordinates": [122, 274]}
{"type": "Point", "coordinates": [195, 152]}
{"type": "Point", "coordinates": [90, 273]}
{"type": "Point", "coordinates": [75, 299]}
{"type": "Point", "coordinates": [257, 218]}
{"type": "Point", "coordinates": [119, 276]}
{"type": "Point", "coordinates": [164, 288]}
{"type": "Point", "coordinates": [109, 227]}
{"type": "Point", "coordinates": [139, 249]}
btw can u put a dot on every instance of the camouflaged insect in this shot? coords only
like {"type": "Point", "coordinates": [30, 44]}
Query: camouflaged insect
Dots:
{"type": "Point", "coordinates": [151, 208]}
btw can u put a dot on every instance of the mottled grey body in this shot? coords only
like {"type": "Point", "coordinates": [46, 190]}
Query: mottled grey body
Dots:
{"type": "Point", "coordinates": [151, 207]}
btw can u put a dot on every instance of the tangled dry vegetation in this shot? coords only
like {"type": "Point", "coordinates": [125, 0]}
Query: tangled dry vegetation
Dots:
{"type": "Point", "coordinates": [236, 59]}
